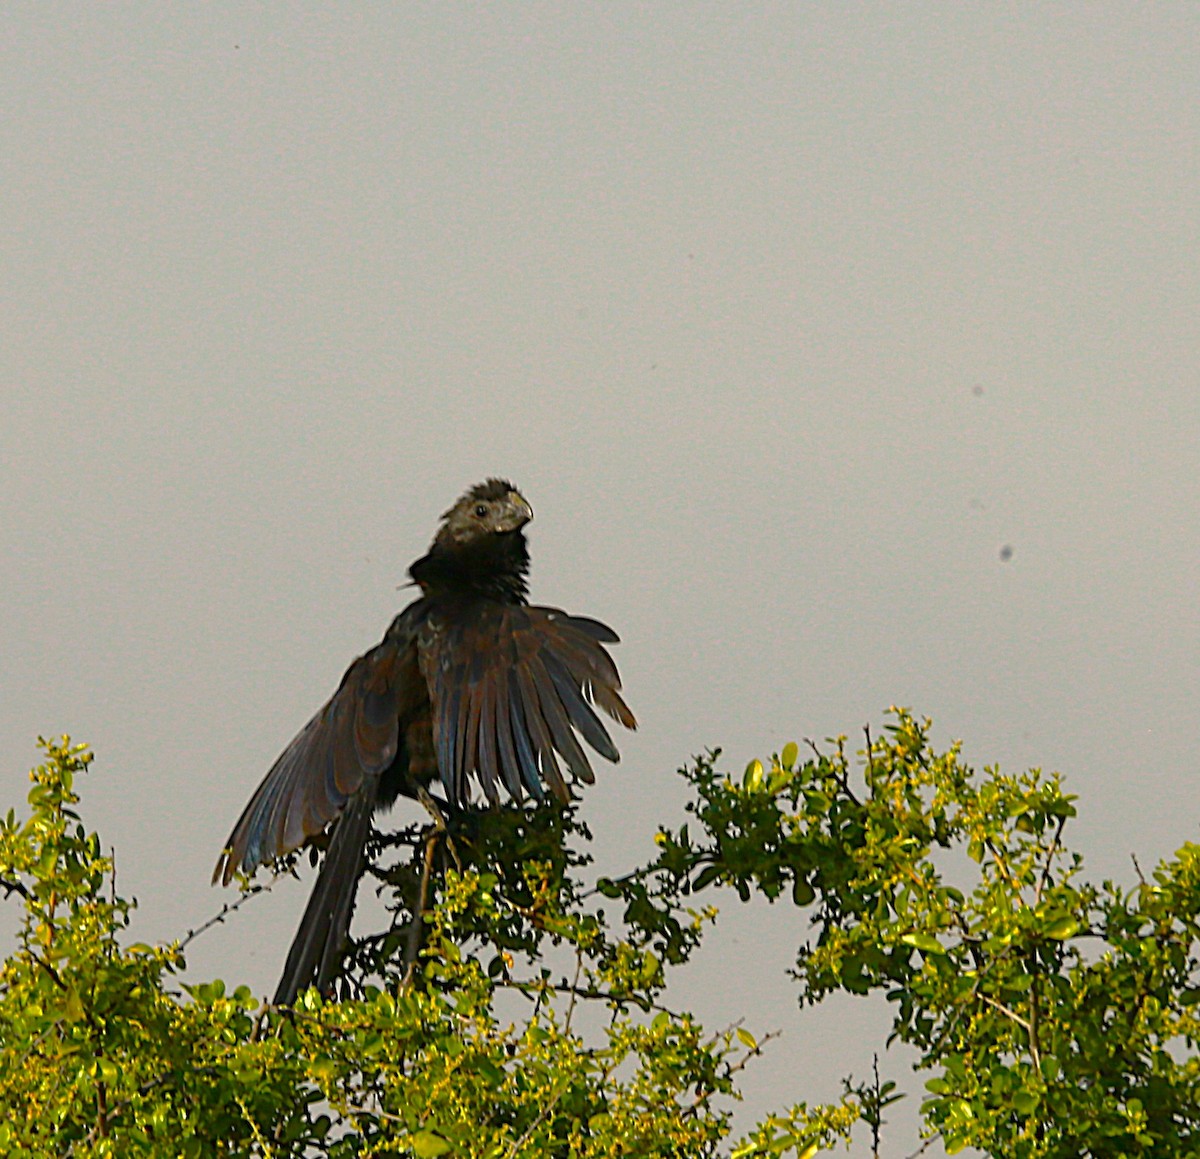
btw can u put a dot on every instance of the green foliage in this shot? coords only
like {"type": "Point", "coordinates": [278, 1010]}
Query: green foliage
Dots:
{"type": "Point", "coordinates": [1056, 1017]}
{"type": "Point", "coordinates": [99, 1055]}
{"type": "Point", "coordinates": [1052, 1017]}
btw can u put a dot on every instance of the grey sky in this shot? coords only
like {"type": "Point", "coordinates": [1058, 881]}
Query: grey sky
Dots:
{"type": "Point", "coordinates": [787, 319]}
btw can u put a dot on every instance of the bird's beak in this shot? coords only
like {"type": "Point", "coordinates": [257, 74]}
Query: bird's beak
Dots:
{"type": "Point", "coordinates": [518, 513]}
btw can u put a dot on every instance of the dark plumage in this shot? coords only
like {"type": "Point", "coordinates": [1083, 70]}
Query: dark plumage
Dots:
{"type": "Point", "coordinates": [469, 683]}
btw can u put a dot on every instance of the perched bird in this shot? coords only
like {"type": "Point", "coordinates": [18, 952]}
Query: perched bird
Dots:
{"type": "Point", "coordinates": [470, 683]}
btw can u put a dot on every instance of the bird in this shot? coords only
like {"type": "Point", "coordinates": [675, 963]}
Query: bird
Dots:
{"type": "Point", "coordinates": [471, 686]}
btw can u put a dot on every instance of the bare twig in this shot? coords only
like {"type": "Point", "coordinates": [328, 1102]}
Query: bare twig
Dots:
{"type": "Point", "coordinates": [541, 1116]}
{"type": "Point", "coordinates": [11, 886]}
{"type": "Point", "coordinates": [635, 875]}
{"type": "Point", "coordinates": [1008, 1013]}
{"type": "Point", "coordinates": [413, 945]}
{"type": "Point", "coordinates": [925, 1146]}
{"type": "Point", "coordinates": [1045, 876]}
{"type": "Point", "coordinates": [540, 986]}
{"type": "Point", "coordinates": [439, 820]}
{"type": "Point", "coordinates": [836, 768]}
{"type": "Point", "coordinates": [228, 908]}
{"type": "Point", "coordinates": [574, 989]}
{"type": "Point", "coordinates": [1028, 1024]}
{"type": "Point", "coordinates": [756, 1052]}
{"type": "Point", "coordinates": [877, 1120]}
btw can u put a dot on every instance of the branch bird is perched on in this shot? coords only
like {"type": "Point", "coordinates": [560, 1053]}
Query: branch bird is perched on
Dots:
{"type": "Point", "coordinates": [470, 683]}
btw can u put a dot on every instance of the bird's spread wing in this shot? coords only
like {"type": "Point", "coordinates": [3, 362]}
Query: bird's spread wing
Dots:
{"type": "Point", "coordinates": [352, 738]}
{"type": "Point", "coordinates": [510, 686]}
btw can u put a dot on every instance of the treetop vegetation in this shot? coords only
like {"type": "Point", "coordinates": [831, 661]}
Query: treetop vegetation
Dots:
{"type": "Point", "coordinates": [1050, 1015]}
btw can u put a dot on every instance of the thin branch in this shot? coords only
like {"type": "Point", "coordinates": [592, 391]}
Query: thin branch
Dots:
{"type": "Point", "coordinates": [540, 986]}
{"type": "Point", "coordinates": [877, 1121]}
{"type": "Point", "coordinates": [228, 908]}
{"type": "Point", "coordinates": [1030, 1027]}
{"type": "Point", "coordinates": [758, 1049]}
{"type": "Point", "coordinates": [11, 886]}
{"type": "Point", "coordinates": [925, 1146]}
{"type": "Point", "coordinates": [541, 1115]}
{"type": "Point", "coordinates": [1037, 893]}
{"type": "Point", "coordinates": [1005, 1011]}
{"type": "Point", "coordinates": [634, 875]}
{"type": "Point", "coordinates": [1002, 865]}
{"type": "Point", "coordinates": [836, 769]}
{"type": "Point", "coordinates": [1035, 1047]}
{"type": "Point", "coordinates": [574, 989]}
{"type": "Point", "coordinates": [413, 945]}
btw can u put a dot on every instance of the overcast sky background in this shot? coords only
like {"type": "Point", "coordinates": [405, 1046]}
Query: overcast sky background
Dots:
{"type": "Point", "coordinates": [786, 319]}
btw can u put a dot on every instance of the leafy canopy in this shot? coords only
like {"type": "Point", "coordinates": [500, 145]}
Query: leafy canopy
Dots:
{"type": "Point", "coordinates": [1051, 1016]}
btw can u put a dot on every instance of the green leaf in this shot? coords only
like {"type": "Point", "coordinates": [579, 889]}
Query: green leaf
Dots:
{"type": "Point", "coordinates": [1025, 1102]}
{"type": "Point", "coordinates": [428, 1145]}
{"type": "Point", "coordinates": [791, 751]}
{"type": "Point", "coordinates": [73, 1005]}
{"type": "Point", "coordinates": [752, 778]}
{"type": "Point", "coordinates": [746, 1038]}
{"type": "Point", "coordinates": [926, 943]}
{"type": "Point", "coordinates": [802, 892]}
{"type": "Point", "coordinates": [1062, 928]}
{"type": "Point", "coordinates": [608, 887]}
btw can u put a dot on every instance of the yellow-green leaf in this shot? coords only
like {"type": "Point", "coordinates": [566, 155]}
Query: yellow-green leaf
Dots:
{"type": "Point", "coordinates": [1061, 928]}
{"type": "Point", "coordinates": [74, 1005]}
{"type": "Point", "coordinates": [428, 1145]}
{"type": "Point", "coordinates": [926, 943]}
{"type": "Point", "coordinates": [1025, 1102]}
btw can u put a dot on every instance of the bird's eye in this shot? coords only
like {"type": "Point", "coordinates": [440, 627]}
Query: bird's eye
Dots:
{"type": "Point", "coordinates": [480, 511]}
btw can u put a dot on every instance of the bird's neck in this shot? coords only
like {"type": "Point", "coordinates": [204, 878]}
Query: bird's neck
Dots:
{"type": "Point", "coordinates": [492, 570]}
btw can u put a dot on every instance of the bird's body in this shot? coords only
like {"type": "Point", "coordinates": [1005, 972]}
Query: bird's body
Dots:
{"type": "Point", "coordinates": [470, 683]}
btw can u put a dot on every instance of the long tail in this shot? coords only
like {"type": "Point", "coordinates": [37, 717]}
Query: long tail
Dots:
{"type": "Point", "coordinates": [317, 947]}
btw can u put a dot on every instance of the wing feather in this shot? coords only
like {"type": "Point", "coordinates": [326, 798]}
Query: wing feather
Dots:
{"type": "Point", "coordinates": [355, 735]}
{"type": "Point", "coordinates": [559, 724]}
{"type": "Point", "coordinates": [578, 710]}
{"type": "Point", "coordinates": [520, 736]}
{"type": "Point", "coordinates": [491, 770]}
{"type": "Point", "coordinates": [539, 735]}
{"type": "Point", "coordinates": [511, 686]}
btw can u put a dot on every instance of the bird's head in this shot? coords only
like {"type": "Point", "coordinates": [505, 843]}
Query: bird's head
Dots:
{"type": "Point", "coordinates": [480, 544]}
{"type": "Point", "coordinates": [494, 507]}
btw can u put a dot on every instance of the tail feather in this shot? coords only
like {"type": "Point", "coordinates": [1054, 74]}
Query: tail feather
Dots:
{"type": "Point", "coordinates": [317, 947]}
